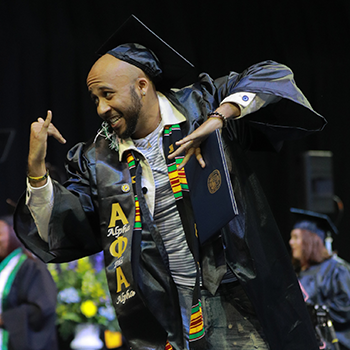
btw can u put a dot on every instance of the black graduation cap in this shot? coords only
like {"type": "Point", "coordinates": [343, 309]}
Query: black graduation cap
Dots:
{"type": "Point", "coordinates": [167, 64]}
{"type": "Point", "coordinates": [315, 222]}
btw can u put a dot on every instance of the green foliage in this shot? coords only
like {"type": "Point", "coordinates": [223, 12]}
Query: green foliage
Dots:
{"type": "Point", "coordinates": [83, 295]}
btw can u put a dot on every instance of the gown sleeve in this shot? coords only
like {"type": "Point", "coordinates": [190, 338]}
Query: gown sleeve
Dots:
{"type": "Point", "coordinates": [73, 230]}
{"type": "Point", "coordinates": [286, 115]}
{"type": "Point", "coordinates": [338, 287]}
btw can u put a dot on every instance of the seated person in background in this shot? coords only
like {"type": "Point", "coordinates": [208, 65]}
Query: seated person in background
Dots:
{"type": "Point", "coordinates": [324, 278]}
{"type": "Point", "coordinates": [27, 296]}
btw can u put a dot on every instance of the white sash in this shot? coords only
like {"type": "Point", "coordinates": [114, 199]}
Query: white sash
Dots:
{"type": "Point", "coordinates": [8, 269]}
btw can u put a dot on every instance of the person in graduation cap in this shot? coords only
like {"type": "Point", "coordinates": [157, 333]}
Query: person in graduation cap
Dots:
{"type": "Point", "coordinates": [127, 194]}
{"type": "Point", "coordinates": [27, 296]}
{"type": "Point", "coordinates": [324, 277]}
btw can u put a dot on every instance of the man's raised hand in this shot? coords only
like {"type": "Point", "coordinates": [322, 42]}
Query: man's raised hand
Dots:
{"type": "Point", "coordinates": [190, 145]}
{"type": "Point", "coordinates": [39, 132]}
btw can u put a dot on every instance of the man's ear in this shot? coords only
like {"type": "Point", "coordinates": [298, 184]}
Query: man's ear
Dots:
{"type": "Point", "coordinates": [143, 85]}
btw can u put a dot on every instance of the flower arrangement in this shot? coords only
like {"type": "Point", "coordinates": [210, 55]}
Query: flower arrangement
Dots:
{"type": "Point", "coordinates": [83, 295]}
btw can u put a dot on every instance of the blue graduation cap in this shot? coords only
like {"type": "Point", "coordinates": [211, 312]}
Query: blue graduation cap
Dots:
{"type": "Point", "coordinates": [138, 45]}
{"type": "Point", "coordinates": [315, 222]}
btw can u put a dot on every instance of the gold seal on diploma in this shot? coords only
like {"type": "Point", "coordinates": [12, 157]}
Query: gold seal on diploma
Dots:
{"type": "Point", "coordinates": [214, 181]}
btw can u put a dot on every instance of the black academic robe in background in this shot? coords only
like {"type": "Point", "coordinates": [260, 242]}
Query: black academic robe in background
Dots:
{"type": "Point", "coordinates": [328, 284]}
{"type": "Point", "coordinates": [31, 309]}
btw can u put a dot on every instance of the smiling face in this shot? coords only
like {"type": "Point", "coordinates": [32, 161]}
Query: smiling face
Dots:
{"type": "Point", "coordinates": [117, 89]}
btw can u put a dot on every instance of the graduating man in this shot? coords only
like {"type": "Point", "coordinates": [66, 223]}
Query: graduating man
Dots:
{"type": "Point", "coordinates": [128, 195]}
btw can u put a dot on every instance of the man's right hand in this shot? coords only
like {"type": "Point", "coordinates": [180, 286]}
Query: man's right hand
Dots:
{"type": "Point", "coordinates": [39, 132]}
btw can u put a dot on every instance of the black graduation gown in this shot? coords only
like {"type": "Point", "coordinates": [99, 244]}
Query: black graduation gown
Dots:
{"type": "Point", "coordinates": [255, 250]}
{"type": "Point", "coordinates": [31, 309]}
{"type": "Point", "coordinates": [328, 284]}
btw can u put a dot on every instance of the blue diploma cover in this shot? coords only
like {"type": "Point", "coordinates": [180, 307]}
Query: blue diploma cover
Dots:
{"type": "Point", "coordinates": [211, 191]}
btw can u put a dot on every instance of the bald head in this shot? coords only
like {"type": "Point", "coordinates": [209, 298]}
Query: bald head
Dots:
{"type": "Point", "coordinates": [109, 67]}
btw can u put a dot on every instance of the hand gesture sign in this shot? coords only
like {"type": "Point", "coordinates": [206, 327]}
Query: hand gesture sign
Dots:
{"type": "Point", "coordinates": [190, 144]}
{"type": "Point", "coordinates": [39, 132]}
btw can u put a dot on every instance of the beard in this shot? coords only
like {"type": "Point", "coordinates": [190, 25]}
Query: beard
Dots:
{"type": "Point", "coordinates": [132, 114]}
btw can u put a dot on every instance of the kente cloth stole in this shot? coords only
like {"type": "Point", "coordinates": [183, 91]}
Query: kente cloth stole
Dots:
{"type": "Point", "coordinates": [8, 270]}
{"type": "Point", "coordinates": [132, 167]}
{"type": "Point", "coordinates": [177, 178]}
{"type": "Point", "coordinates": [180, 189]}
{"type": "Point", "coordinates": [178, 184]}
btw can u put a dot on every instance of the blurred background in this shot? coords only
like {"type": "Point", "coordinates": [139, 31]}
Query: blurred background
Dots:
{"type": "Point", "coordinates": [48, 47]}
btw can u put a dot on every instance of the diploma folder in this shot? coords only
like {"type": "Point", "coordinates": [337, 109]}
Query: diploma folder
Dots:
{"type": "Point", "coordinates": [211, 191]}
